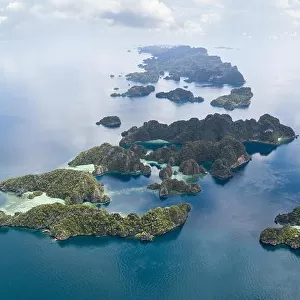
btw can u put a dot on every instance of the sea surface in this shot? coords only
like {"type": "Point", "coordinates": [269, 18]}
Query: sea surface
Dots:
{"type": "Point", "coordinates": [51, 98]}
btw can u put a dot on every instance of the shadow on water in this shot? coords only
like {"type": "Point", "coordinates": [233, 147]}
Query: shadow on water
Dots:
{"type": "Point", "coordinates": [270, 248]}
{"type": "Point", "coordinates": [88, 241]}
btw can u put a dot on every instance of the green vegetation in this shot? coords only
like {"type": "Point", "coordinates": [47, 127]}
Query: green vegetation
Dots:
{"type": "Point", "coordinates": [65, 221]}
{"type": "Point", "coordinates": [69, 185]}
{"type": "Point", "coordinates": [143, 77]}
{"type": "Point", "coordinates": [109, 159]}
{"type": "Point", "coordinates": [136, 91]}
{"type": "Point", "coordinates": [238, 98]}
{"type": "Point", "coordinates": [287, 235]}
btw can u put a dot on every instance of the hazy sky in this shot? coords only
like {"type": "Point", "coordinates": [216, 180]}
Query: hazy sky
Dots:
{"type": "Point", "coordinates": [270, 19]}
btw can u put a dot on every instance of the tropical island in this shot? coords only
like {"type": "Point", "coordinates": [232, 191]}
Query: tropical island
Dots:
{"type": "Point", "coordinates": [238, 98]}
{"type": "Point", "coordinates": [64, 221]}
{"type": "Point", "coordinates": [110, 122]}
{"type": "Point", "coordinates": [136, 91]}
{"type": "Point", "coordinates": [180, 95]}
{"type": "Point", "coordinates": [184, 61]}
{"type": "Point", "coordinates": [288, 234]}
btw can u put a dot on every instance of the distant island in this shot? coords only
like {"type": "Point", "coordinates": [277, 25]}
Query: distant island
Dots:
{"type": "Point", "coordinates": [65, 221]}
{"type": "Point", "coordinates": [184, 61]}
{"type": "Point", "coordinates": [110, 122]}
{"type": "Point", "coordinates": [180, 96]}
{"type": "Point", "coordinates": [238, 98]}
{"type": "Point", "coordinates": [136, 91]}
{"type": "Point", "coordinates": [288, 235]}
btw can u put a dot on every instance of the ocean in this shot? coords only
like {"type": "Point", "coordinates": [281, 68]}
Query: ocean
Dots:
{"type": "Point", "coordinates": [50, 102]}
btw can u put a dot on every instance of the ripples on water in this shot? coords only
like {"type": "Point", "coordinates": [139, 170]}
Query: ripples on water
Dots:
{"type": "Point", "coordinates": [49, 104]}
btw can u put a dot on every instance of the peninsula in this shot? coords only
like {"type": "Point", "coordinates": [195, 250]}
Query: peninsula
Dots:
{"type": "Point", "coordinates": [65, 221]}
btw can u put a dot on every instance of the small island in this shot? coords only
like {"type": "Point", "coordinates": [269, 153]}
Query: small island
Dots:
{"type": "Point", "coordinates": [66, 221]}
{"type": "Point", "coordinates": [170, 187]}
{"type": "Point", "coordinates": [72, 186]}
{"type": "Point", "coordinates": [112, 159]}
{"type": "Point", "coordinates": [184, 61]}
{"type": "Point", "coordinates": [288, 235]}
{"type": "Point", "coordinates": [238, 98]}
{"type": "Point", "coordinates": [110, 122]}
{"type": "Point", "coordinates": [136, 91]}
{"type": "Point", "coordinates": [180, 95]}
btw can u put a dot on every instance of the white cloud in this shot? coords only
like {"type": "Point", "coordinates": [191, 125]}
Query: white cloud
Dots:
{"type": "Point", "coordinates": [3, 19]}
{"type": "Point", "coordinates": [290, 7]}
{"type": "Point", "coordinates": [15, 5]}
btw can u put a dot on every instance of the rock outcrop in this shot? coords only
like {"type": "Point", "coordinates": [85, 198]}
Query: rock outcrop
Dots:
{"type": "Point", "coordinates": [191, 167]}
{"type": "Point", "coordinates": [238, 98]}
{"type": "Point", "coordinates": [110, 122]}
{"type": "Point", "coordinates": [111, 159]}
{"type": "Point", "coordinates": [166, 172]}
{"type": "Point", "coordinates": [170, 187]}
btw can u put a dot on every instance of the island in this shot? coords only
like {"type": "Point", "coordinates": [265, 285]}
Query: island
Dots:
{"type": "Point", "coordinates": [66, 221]}
{"type": "Point", "coordinates": [111, 159]}
{"type": "Point", "coordinates": [184, 61]}
{"type": "Point", "coordinates": [74, 187]}
{"type": "Point", "coordinates": [110, 122]}
{"type": "Point", "coordinates": [136, 91]}
{"type": "Point", "coordinates": [170, 187]}
{"type": "Point", "coordinates": [180, 95]}
{"type": "Point", "coordinates": [267, 129]}
{"type": "Point", "coordinates": [238, 98]}
{"type": "Point", "coordinates": [288, 235]}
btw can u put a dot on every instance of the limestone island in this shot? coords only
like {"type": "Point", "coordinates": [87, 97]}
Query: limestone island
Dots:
{"type": "Point", "coordinates": [136, 91]}
{"type": "Point", "coordinates": [180, 95]}
{"type": "Point", "coordinates": [184, 61]}
{"type": "Point", "coordinates": [238, 98]}
{"type": "Point", "coordinates": [112, 159]}
{"type": "Point", "coordinates": [74, 187]}
{"type": "Point", "coordinates": [174, 77]}
{"type": "Point", "coordinates": [170, 187]}
{"type": "Point", "coordinates": [65, 221]}
{"type": "Point", "coordinates": [110, 122]}
{"type": "Point", "coordinates": [217, 139]}
{"type": "Point", "coordinates": [288, 235]}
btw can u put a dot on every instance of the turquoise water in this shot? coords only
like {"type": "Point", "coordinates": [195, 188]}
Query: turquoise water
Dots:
{"type": "Point", "coordinates": [47, 117]}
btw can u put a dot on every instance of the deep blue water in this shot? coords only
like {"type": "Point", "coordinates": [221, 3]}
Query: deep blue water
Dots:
{"type": "Point", "coordinates": [49, 104]}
